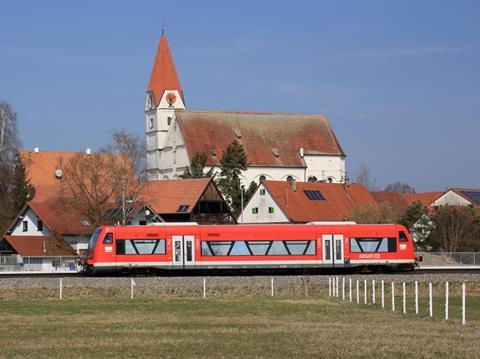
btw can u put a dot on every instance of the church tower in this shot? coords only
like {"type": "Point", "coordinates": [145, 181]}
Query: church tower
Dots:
{"type": "Point", "coordinates": [164, 95]}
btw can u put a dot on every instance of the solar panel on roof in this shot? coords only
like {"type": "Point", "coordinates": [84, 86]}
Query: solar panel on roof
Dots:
{"type": "Point", "coordinates": [314, 195]}
{"type": "Point", "coordinates": [473, 196]}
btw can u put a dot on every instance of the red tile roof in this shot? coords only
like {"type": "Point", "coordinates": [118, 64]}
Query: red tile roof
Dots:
{"type": "Point", "coordinates": [60, 219]}
{"type": "Point", "coordinates": [425, 198]}
{"type": "Point", "coordinates": [39, 246]}
{"type": "Point", "coordinates": [395, 200]}
{"type": "Point", "coordinates": [164, 75]}
{"type": "Point", "coordinates": [339, 200]}
{"type": "Point", "coordinates": [41, 166]}
{"type": "Point", "coordinates": [211, 132]}
{"type": "Point", "coordinates": [166, 196]}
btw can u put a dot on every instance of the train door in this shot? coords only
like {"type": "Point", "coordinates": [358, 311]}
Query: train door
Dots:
{"type": "Point", "coordinates": [183, 248]}
{"type": "Point", "coordinates": [332, 246]}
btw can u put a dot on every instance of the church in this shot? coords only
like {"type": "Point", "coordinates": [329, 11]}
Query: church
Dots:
{"type": "Point", "coordinates": [279, 146]}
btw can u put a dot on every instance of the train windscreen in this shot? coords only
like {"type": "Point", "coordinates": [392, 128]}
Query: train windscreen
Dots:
{"type": "Point", "coordinates": [93, 241]}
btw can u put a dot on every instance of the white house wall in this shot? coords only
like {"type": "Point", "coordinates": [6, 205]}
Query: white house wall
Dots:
{"type": "Point", "coordinates": [452, 199]}
{"type": "Point", "coordinates": [31, 219]}
{"type": "Point", "coordinates": [262, 202]}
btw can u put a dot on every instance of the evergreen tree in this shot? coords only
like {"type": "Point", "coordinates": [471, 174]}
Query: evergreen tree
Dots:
{"type": "Point", "coordinates": [197, 167]}
{"type": "Point", "coordinates": [233, 162]}
{"type": "Point", "coordinates": [22, 190]}
{"type": "Point", "coordinates": [412, 215]}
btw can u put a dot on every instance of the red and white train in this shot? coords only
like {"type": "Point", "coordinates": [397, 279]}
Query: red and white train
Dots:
{"type": "Point", "coordinates": [179, 246]}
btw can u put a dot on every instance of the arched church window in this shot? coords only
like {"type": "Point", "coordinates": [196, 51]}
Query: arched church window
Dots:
{"type": "Point", "coordinates": [290, 179]}
{"type": "Point", "coordinates": [151, 122]}
{"type": "Point", "coordinates": [169, 120]}
{"type": "Point", "coordinates": [312, 179]}
{"type": "Point", "coordinates": [262, 179]}
{"type": "Point", "coordinates": [330, 179]}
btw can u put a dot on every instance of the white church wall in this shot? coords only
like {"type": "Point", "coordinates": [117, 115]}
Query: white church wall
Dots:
{"type": "Point", "coordinates": [32, 226]}
{"type": "Point", "coordinates": [324, 167]}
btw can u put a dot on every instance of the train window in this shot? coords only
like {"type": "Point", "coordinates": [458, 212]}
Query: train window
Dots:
{"type": "Point", "coordinates": [220, 248]}
{"type": "Point", "coordinates": [94, 238]}
{"type": "Point", "coordinates": [240, 249]}
{"type": "Point", "coordinates": [189, 251]}
{"type": "Point", "coordinates": [140, 246]}
{"type": "Point", "coordinates": [328, 250]}
{"type": "Point", "coordinates": [403, 236]}
{"type": "Point", "coordinates": [373, 245]}
{"type": "Point", "coordinates": [297, 247]}
{"type": "Point", "coordinates": [278, 249]}
{"type": "Point", "coordinates": [108, 239]}
{"type": "Point", "coordinates": [338, 249]}
{"type": "Point", "coordinates": [259, 248]}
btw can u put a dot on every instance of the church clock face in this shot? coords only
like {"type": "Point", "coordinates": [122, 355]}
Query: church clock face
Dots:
{"type": "Point", "coordinates": [171, 98]}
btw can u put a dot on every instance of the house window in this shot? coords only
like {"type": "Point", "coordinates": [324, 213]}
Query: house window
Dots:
{"type": "Point", "coordinates": [25, 226]}
{"type": "Point", "coordinates": [183, 208]}
{"type": "Point", "coordinates": [39, 226]}
{"type": "Point", "coordinates": [271, 210]}
{"type": "Point", "coordinates": [142, 223]}
{"type": "Point", "coordinates": [255, 210]}
{"type": "Point", "coordinates": [262, 192]}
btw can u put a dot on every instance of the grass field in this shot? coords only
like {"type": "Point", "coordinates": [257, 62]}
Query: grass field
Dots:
{"type": "Point", "coordinates": [226, 327]}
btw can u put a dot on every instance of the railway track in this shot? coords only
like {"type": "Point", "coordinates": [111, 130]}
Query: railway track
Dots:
{"type": "Point", "coordinates": [422, 270]}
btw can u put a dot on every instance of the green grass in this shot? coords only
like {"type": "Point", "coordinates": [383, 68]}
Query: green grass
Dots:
{"type": "Point", "coordinates": [226, 327]}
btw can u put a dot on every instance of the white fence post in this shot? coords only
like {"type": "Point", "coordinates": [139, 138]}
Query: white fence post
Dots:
{"type": "Point", "coordinates": [430, 295]}
{"type": "Point", "coordinates": [446, 300]}
{"type": "Point", "coordinates": [358, 292]}
{"type": "Point", "coordinates": [271, 287]}
{"type": "Point", "coordinates": [463, 303]}
{"type": "Point", "coordinates": [204, 287]}
{"type": "Point", "coordinates": [329, 286]}
{"type": "Point", "coordinates": [61, 289]}
{"type": "Point", "coordinates": [343, 288]}
{"type": "Point", "coordinates": [132, 284]}
{"type": "Point", "coordinates": [333, 287]}
{"type": "Point", "coordinates": [383, 293]}
{"type": "Point", "coordinates": [373, 291]}
{"type": "Point", "coordinates": [350, 288]}
{"type": "Point", "coordinates": [404, 299]}
{"type": "Point", "coordinates": [365, 289]}
{"type": "Point", "coordinates": [336, 284]}
{"type": "Point", "coordinates": [416, 297]}
{"type": "Point", "coordinates": [393, 296]}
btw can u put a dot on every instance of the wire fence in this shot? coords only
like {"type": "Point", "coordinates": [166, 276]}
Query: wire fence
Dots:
{"type": "Point", "coordinates": [44, 264]}
{"type": "Point", "coordinates": [450, 259]}
{"type": "Point", "coordinates": [442, 300]}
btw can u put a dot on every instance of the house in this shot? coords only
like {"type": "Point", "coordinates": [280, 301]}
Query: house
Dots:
{"type": "Point", "coordinates": [459, 197]}
{"type": "Point", "coordinates": [303, 202]}
{"type": "Point", "coordinates": [279, 146]}
{"type": "Point", "coordinates": [185, 200]}
{"type": "Point", "coordinates": [399, 202]}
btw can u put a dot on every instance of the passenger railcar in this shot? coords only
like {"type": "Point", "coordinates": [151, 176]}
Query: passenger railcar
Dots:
{"type": "Point", "coordinates": [178, 246]}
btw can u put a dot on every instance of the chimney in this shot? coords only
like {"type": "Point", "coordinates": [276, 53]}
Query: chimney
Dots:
{"type": "Point", "coordinates": [88, 151]}
{"type": "Point", "coordinates": [300, 151]}
{"type": "Point", "coordinates": [36, 150]}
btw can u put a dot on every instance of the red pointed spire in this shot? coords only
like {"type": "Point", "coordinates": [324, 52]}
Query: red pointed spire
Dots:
{"type": "Point", "coordinates": [164, 76]}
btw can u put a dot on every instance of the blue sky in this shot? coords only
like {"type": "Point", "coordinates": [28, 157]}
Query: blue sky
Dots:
{"type": "Point", "coordinates": [399, 80]}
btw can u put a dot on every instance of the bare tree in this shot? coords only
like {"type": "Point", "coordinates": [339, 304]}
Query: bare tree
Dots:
{"type": "Point", "coordinates": [365, 178]}
{"type": "Point", "coordinates": [88, 183]}
{"type": "Point", "coordinates": [399, 187]}
{"type": "Point", "coordinates": [9, 140]}
{"type": "Point", "coordinates": [454, 228]}
{"type": "Point", "coordinates": [371, 213]}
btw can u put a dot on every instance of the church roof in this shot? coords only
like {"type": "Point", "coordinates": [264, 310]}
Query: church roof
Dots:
{"type": "Point", "coordinates": [269, 139]}
{"type": "Point", "coordinates": [164, 75]}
